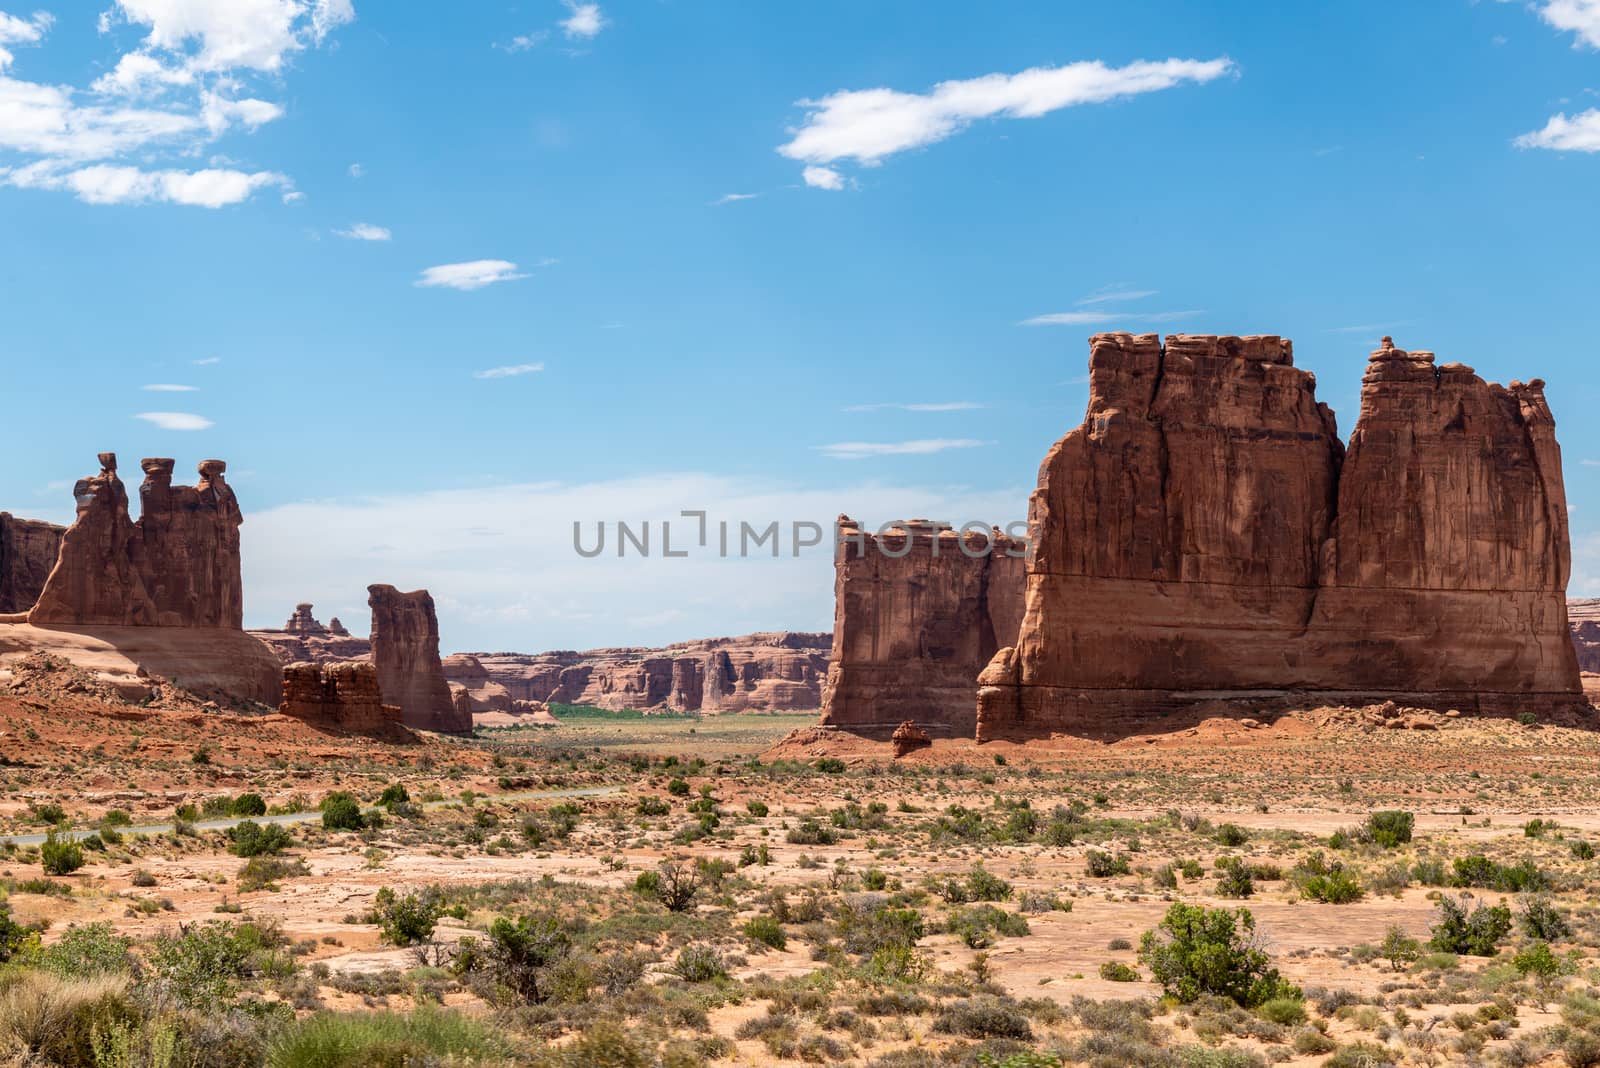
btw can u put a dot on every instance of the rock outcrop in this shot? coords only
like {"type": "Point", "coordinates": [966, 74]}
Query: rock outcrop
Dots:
{"type": "Point", "coordinates": [177, 566]}
{"type": "Point", "coordinates": [1583, 615]}
{"type": "Point", "coordinates": [303, 638]}
{"type": "Point", "coordinates": [919, 609]}
{"type": "Point", "coordinates": [1204, 533]}
{"type": "Point", "coordinates": [405, 649]}
{"type": "Point", "coordinates": [771, 672]}
{"type": "Point", "coordinates": [343, 697]}
{"type": "Point", "coordinates": [28, 551]}
{"type": "Point", "coordinates": [472, 687]}
{"type": "Point", "coordinates": [909, 736]}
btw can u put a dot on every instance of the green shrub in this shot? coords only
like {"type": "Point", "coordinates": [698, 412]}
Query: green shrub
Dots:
{"type": "Point", "coordinates": [1474, 933]}
{"type": "Point", "coordinates": [522, 951]}
{"type": "Point", "coordinates": [1479, 871]}
{"type": "Point", "coordinates": [1118, 972]}
{"type": "Point", "coordinates": [1287, 1012]}
{"type": "Point", "coordinates": [14, 938]}
{"type": "Point", "coordinates": [1361, 1055]}
{"type": "Point", "coordinates": [1103, 865]}
{"type": "Point", "coordinates": [1541, 920]}
{"type": "Point", "coordinates": [758, 809]}
{"type": "Point", "coordinates": [983, 1017]}
{"type": "Point", "coordinates": [385, 1039]}
{"type": "Point", "coordinates": [60, 855]}
{"type": "Point", "coordinates": [766, 930]}
{"type": "Point", "coordinates": [1390, 828]}
{"type": "Point", "coordinates": [1232, 835]}
{"type": "Point", "coordinates": [678, 787]}
{"type": "Point", "coordinates": [978, 926]}
{"type": "Point", "coordinates": [1336, 886]}
{"type": "Point", "coordinates": [830, 766]}
{"type": "Point", "coordinates": [983, 885]}
{"type": "Point", "coordinates": [248, 804]}
{"type": "Point", "coordinates": [342, 812]}
{"type": "Point", "coordinates": [1197, 951]}
{"type": "Point", "coordinates": [1537, 960]}
{"type": "Point", "coordinates": [87, 951]}
{"type": "Point", "coordinates": [247, 838]}
{"type": "Point", "coordinates": [200, 966]}
{"type": "Point", "coordinates": [1236, 879]}
{"type": "Point", "coordinates": [263, 873]}
{"type": "Point", "coordinates": [1399, 948]}
{"type": "Point", "coordinates": [699, 964]}
{"type": "Point", "coordinates": [394, 794]}
{"type": "Point", "coordinates": [405, 921]}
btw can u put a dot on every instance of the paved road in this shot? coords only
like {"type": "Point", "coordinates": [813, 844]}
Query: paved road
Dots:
{"type": "Point", "coordinates": [309, 817]}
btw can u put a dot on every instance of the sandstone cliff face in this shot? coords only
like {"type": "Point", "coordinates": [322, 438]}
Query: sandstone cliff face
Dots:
{"type": "Point", "coordinates": [343, 696]}
{"type": "Point", "coordinates": [1583, 614]}
{"type": "Point", "coordinates": [779, 671]}
{"type": "Point", "coordinates": [405, 649]}
{"type": "Point", "coordinates": [178, 566]}
{"type": "Point", "coordinates": [919, 610]}
{"type": "Point", "coordinates": [28, 551]}
{"type": "Point", "coordinates": [1205, 531]}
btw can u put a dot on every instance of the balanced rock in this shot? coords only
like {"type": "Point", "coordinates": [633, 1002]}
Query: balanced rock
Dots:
{"type": "Point", "coordinates": [919, 610]}
{"type": "Point", "coordinates": [405, 649]}
{"type": "Point", "coordinates": [1205, 531]}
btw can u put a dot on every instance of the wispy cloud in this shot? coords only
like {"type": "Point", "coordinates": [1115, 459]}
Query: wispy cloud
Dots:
{"type": "Point", "coordinates": [584, 21]}
{"type": "Point", "coordinates": [1091, 318]}
{"type": "Point", "coordinates": [1110, 295]}
{"type": "Point", "coordinates": [869, 125]}
{"type": "Point", "coordinates": [524, 42]}
{"type": "Point", "coordinates": [733, 198]}
{"type": "Point", "coordinates": [474, 274]}
{"type": "Point", "coordinates": [356, 170]}
{"type": "Point", "coordinates": [207, 361]}
{"type": "Point", "coordinates": [1369, 328]}
{"type": "Point", "coordinates": [1578, 133]}
{"type": "Point", "coordinates": [946, 406]}
{"type": "Point", "coordinates": [366, 232]}
{"type": "Point", "coordinates": [859, 450]}
{"type": "Point", "coordinates": [509, 371]}
{"type": "Point", "coordinates": [176, 420]}
{"type": "Point", "coordinates": [167, 387]}
{"type": "Point", "coordinates": [822, 178]}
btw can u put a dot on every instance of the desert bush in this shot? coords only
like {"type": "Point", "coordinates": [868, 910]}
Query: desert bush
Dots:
{"type": "Point", "coordinates": [248, 804]}
{"type": "Point", "coordinates": [60, 855]}
{"type": "Point", "coordinates": [49, 1020]}
{"type": "Point", "coordinates": [342, 812]}
{"type": "Point", "coordinates": [766, 930]}
{"type": "Point", "coordinates": [87, 951]}
{"type": "Point", "coordinates": [983, 1017]}
{"type": "Point", "coordinates": [263, 873]}
{"type": "Point", "coordinates": [1467, 930]}
{"type": "Point", "coordinates": [521, 952]}
{"type": "Point", "coordinates": [1399, 948]}
{"type": "Point", "coordinates": [200, 965]}
{"type": "Point", "coordinates": [247, 838]}
{"type": "Point", "coordinates": [405, 921]}
{"type": "Point", "coordinates": [1538, 961]}
{"type": "Point", "coordinates": [1232, 835]}
{"type": "Point", "coordinates": [1118, 972]}
{"type": "Point", "coordinates": [1336, 886]}
{"type": "Point", "coordinates": [980, 925]}
{"type": "Point", "coordinates": [1102, 865]}
{"type": "Point", "coordinates": [1480, 872]}
{"type": "Point", "coordinates": [1541, 920]}
{"type": "Point", "coordinates": [381, 1039]}
{"type": "Point", "coordinates": [1390, 828]}
{"type": "Point", "coordinates": [1235, 879]}
{"type": "Point", "coordinates": [1197, 951]}
{"type": "Point", "coordinates": [394, 794]}
{"type": "Point", "coordinates": [699, 964]}
{"type": "Point", "coordinates": [830, 766]}
{"type": "Point", "coordinates": [676, 885]}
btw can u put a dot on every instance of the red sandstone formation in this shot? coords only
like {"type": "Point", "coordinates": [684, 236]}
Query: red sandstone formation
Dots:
{"type": "Point", "coordinates": [178, 566]}
{"type": "Point", "coordinates": [779, 671]}
{"type": "Point", "coordinates": [405, 648]}
{"type": "Point", "coordinates": [472, 687]}
{"type": "Point", "coordinates": [28, 551]}
{"type": "Point", "coordinates": [909, 736]}
{"type": "Point", "coordinates": [918, 611]}
{"type": "Point", "coordinates": [303, 638]}
{"type": "Point", "coordinates": [1583, 614]}
{"type": "Point", "coordinates": [1205, 533]}
{"type": "Point", "coordinates": [342, 696]}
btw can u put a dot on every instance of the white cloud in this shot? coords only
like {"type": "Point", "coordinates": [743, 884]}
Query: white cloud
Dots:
{"type": "Point", "coordinates": [510, 371]}
{"type": "Point", "coordinates": [17, 30]}
{"type": "Point", "coordinates": [293, 197]}
{"type": "Point", "coordinates": [1579, 17]}
{"type": "Point", "coordinates": [166, 387]}
{"type": "Point", "coordinates": [822, 178]}
{"type": "Point", "coordinates": [107, 184]}
{"type": "Point", "coordinates": [1580, 133]}
{"type": "Point", "coordinates": [356, 170]}
{"type": "Point", "coordinates": [1107, 296]}
{"type": "Point", "coordinates": [524, 42]}
{"type": "Point", "coordinates": [857, 450]}
{"type": "Point", "coordinates": [526, 588]}
{"type": "Point", "coordinates": [176, 420]}
{"type": "Point", "coordinates": [207, 361]}
{"type": "Point", "coordinates": [946, 406]}
{"type": "Point", "coordinates": [868, 125]}
{"type": "Point", "coordinates": [733, 198]}
{"type": "Point", "coordinates": [184, 85]}
{"type": "Point", "coordinates": [584, 20]}
{"type": "Point", "coordinates": [1090, 318]}
{"type": "Point", "coordinates": [472, 275]}
{"type": "Point", "coordinates": [366, 232]}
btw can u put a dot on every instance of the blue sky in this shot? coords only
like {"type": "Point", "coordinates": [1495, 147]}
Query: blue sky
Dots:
{"type": "Point", "coordinates": [438, 285]}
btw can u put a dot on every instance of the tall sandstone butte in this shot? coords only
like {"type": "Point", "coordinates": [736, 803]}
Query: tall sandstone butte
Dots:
{"type": "Point", "coordinates": [28, 551]}
{"type": "Point", "coordinates": [1204, 533]}
{"type": "Point", "coordinates": [405, 649]}
{"type": "Point", "coordinates": [177, 566]}
{"type": "Point", "coordinates": [919, 609]}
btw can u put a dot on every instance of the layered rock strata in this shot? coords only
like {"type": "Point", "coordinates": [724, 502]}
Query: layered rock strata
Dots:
{"type": "Point", "coordinates": [343, 696]}
{"type": "Point", "coordinates": [405, 649]}
{"type": "Point", "coordinates": [28, 551]}
{"type": "Point", "coordinates": [919, 609]}
{"type": "Point", "coordinates": [1205, 533]}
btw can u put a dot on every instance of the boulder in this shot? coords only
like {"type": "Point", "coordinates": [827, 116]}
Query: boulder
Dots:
{"type": "Point", "coordinates": [909, 736]}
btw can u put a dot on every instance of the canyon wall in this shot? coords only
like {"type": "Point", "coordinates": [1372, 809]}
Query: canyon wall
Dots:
{"type": "Point", "coordinates": [405, 650]}
{"type": "Point", "coordinates": [28, 551]}
{"type": "Point", "coordinates": [342, 696]}
{"type": "Point", "coordinates": [1204, 533]}
{"type": "Point", "coordinates": [768, 672]}
{"type": "Point", "coordinates": [919, 609]}
{"type": "Point", "coordinates": [303, 639]}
